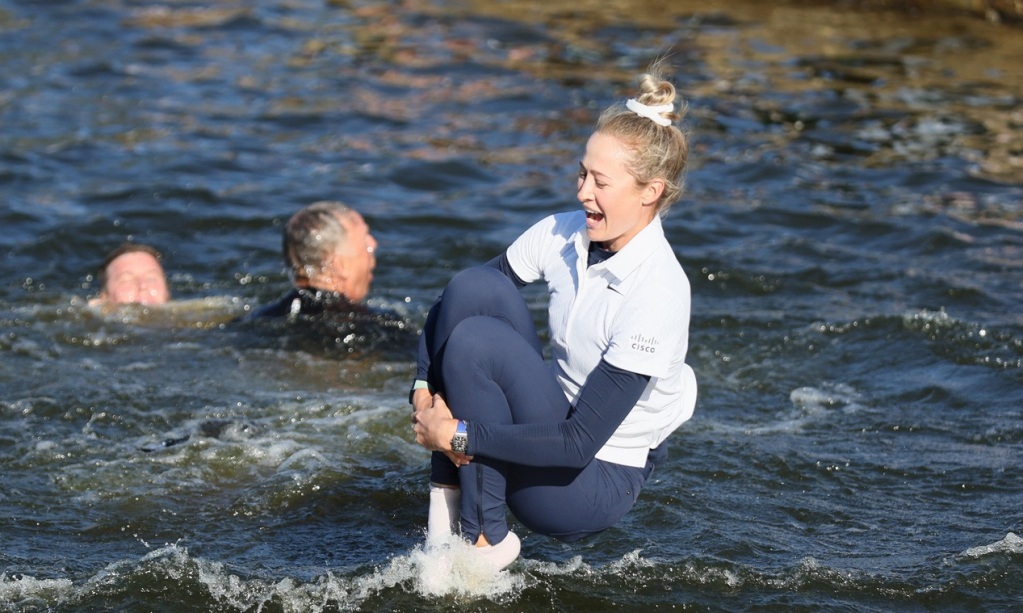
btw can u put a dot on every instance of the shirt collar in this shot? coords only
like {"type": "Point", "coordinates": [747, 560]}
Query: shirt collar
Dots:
{"type": "Point", "coordinates": [633, 254]}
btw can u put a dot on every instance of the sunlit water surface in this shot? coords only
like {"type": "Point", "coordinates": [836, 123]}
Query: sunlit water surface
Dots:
{"type": "Point", "coordinates": [852, 229]}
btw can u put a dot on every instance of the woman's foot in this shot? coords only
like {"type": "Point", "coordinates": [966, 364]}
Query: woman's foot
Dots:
{"type": "Point", "coordinates": [501, 555]}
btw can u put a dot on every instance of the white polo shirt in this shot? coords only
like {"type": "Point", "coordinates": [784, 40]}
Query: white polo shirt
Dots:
{"type": "Point", "coordinates": [632, 310]}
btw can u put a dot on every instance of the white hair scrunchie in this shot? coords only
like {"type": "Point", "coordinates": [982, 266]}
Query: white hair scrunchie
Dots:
{"type": "Point", "coordinates": [653, 113]}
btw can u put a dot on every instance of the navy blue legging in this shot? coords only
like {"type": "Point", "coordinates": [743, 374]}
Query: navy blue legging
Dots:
{"type": "Point", "coordinates": [486, 360]}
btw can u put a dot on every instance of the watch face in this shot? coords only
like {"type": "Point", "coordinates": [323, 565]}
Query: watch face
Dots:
{"type": "Point", "coordinates": [459, 443]}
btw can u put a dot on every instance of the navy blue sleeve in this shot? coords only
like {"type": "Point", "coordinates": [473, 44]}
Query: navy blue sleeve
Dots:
{"type": "Point", "coordinates": [423, 356]}
{"type": "Point", "coordinates": [501, 263]}
{"type": "Point", "coordinates": [423, 362]}
{"type": "Point", "coordinates": [604, 402]}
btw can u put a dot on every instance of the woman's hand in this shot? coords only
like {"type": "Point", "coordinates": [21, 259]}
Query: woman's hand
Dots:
{"type": "Point", "coordinates": [434, 426]}
{"type": "Point", "coordinates": [421, 399]}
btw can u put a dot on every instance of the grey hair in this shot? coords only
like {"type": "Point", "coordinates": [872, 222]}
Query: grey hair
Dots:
{"type": "Point", "coordinates": [311, 236]}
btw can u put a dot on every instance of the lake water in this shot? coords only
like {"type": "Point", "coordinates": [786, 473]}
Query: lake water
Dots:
{"type": "Point", "coordinates": [852, 227]}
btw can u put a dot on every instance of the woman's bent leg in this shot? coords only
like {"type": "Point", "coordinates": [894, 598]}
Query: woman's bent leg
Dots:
{"type": "Point", "coordinates": [570, 504]}
{"type": "Point", "coordinates": [472, 292]}
{"type": "Point", "coordinates": [493, 375]}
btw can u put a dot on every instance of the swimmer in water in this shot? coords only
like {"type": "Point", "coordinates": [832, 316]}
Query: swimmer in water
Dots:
{"type": "Point", "coordinates": [330, 256]}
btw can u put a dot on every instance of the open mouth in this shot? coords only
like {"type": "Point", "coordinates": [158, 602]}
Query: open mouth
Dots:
{"type": "Point", "coordinates": [595, 216]}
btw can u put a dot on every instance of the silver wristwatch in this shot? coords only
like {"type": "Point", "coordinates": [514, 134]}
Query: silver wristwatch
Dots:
{"type": "Point", "coordinates": [460, 441]}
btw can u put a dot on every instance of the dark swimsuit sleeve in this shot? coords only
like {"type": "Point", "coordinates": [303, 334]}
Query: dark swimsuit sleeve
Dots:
{"type": "Point", "coordinates": [280, 308]}
{"type": "Point", "coordinates": [606, 399]}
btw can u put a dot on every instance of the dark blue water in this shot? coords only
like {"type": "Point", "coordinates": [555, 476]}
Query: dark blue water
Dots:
{"type": "Point", "coordinates": [852, 227]}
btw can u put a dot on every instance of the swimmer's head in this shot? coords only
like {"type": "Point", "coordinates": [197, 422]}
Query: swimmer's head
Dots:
{"type": "Point", "coordinates": [132, 274]}
{"type": "Point", "coordinates": [328, 246]}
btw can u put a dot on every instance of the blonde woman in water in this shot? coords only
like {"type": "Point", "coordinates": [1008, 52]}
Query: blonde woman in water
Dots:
{"type": "Point", "coordinates": [565, 445]}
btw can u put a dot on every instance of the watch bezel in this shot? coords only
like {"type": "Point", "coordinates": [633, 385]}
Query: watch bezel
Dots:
{"type": "Point", "coordinates": [460, 440]}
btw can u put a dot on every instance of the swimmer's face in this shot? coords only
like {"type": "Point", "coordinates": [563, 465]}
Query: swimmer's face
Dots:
{"type": "Point", "coordinates": [135, 278]}
{"type": "Point", "coordinates": [357, 259]}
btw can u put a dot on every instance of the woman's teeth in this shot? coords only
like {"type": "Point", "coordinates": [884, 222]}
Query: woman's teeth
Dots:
{"type": "Point", "coordinates": [594, 216]}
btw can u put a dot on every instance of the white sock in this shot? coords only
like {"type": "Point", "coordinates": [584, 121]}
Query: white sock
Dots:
{"type": "Point", "coordinates": [503, 553]}
{"type": "Point", "coordinates": [443, 517]}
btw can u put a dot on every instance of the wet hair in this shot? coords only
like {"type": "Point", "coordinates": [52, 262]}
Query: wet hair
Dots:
{"type": "Point", "coordinates": [101, 272]}
{"type": "Point", "coordinates": [311, 237]}
{"type": "Point", "coordinates": [653, 151]}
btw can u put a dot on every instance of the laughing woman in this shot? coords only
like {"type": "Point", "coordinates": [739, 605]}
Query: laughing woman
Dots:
{"type": "Point", "coordinates": [565, 446]}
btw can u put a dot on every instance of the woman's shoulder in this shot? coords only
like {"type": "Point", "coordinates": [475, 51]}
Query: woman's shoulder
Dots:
{"type": "Point", "coordinates": [568, 223]}
{"type": "Point", "coordinates": [572, 218]}
{"type": "Point", "coordinates": [564, 225]}
{"type": "Point", "coordinates": [662, 273]}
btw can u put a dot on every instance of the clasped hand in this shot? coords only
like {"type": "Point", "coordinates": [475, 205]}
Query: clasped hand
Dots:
{"type": "Point", "coordinates": [435, 426]}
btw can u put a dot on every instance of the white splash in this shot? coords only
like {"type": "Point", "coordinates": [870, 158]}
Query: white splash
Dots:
{"type": "Point", "coordinates": [1010, 544]}
{"type": "Point", "coordinates": [453, 568]}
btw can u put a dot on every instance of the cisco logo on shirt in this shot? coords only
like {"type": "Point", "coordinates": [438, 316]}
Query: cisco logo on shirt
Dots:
{"type": "Point", "coordinates": [644, 344]}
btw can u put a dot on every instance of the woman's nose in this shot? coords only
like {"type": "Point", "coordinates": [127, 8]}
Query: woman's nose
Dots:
{"type": "Point", "coordinates": [583, 192]}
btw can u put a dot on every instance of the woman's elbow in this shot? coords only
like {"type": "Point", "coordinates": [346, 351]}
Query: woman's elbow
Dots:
{"type": "Point", "coordinates": [579, 458]}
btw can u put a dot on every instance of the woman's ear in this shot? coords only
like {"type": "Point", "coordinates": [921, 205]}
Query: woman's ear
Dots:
{"type": "Point", "coordinates": [652, 192]}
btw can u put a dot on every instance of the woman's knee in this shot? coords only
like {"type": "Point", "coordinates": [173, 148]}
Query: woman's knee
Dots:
{"type": "Point", "coordinates": [481, 284]}
{"type": "Point", "coordinates": [474, 339]}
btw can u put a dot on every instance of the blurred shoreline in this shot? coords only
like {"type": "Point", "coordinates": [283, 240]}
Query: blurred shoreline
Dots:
{"type": "Point", "coordinates": [1009, 12]}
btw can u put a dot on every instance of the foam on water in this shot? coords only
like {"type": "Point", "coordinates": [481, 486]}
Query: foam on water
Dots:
{"type": "Point", "coordinates": [824, 398]}
{"type": "Point", "coordinates": [1011, 544]}
{"type": "Point", "coordinates": [453, 571]}
{"type": "Point", "coordinates": [446, 573]}
{"type": "Point", "coordinates": [22, 592]}
{"type": "Point", "coordinates": [242, 450]}
{"type": "Point", "coordinates": [453, 568]}
{"type": "Point", "coordinates": [810, 406]}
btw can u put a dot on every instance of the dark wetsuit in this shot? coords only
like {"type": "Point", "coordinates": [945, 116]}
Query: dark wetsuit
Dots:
{"type": "Point", "coordinates": [333, 322]}
{"type": "Point", "coordinates": [310, 302]}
